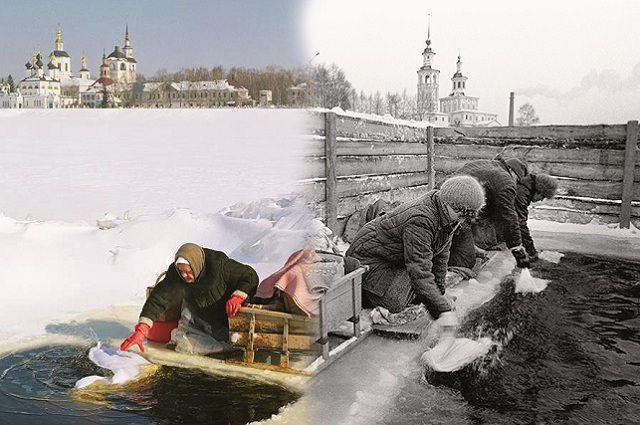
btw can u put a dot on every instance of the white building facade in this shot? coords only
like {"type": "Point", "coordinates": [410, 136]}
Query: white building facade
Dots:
{"type": "Point", "coordinates": [457, 109]}
{"type": "Point", "coordinates": [55, 86]}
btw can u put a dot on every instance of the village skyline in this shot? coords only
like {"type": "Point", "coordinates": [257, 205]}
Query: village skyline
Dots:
{"type": "Point", "coordinates": [569, 59]}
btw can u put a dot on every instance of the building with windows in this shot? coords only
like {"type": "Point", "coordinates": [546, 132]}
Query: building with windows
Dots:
{"type": "Point", "coordinates": [265, 98]}
{"type": "Point", "coordinates": [462, 109]}
{"type": "Point", "coordinates": [428, 107]}
{"type": "Point", "coordinates": [37, 89]}
{"type": "Point", "coordinates": [186, 94]}
{"type": "Point", "coordinates": [457, 109]}
{"type": "Point", "coordinates": [102, 92]}
{"type": "Point", "coordinates": [55, 85]}
{"type": "Point", "coordinates": [300, 95]}
{"type": "Point", "coordinates": [122, 64]}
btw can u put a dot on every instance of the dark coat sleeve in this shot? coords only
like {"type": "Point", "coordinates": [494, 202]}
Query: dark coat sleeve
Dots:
{"type": "Point", "coordinates": [240, 277]}
{"type": "Point", "coordinates": [505, 211]}
{"type": "Point", "coordinates": [417, 238]}
{"type": "Point", "coordinates": [523, 200]}
{"type": "Point", "coordinates": [168, 291]}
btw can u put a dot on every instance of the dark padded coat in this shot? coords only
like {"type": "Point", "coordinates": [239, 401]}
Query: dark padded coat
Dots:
{"type": "Point", "coordinates": [524, 196]}
{"type": "Point", "coordinates": [416, 236]}
{"type": "Point", "coordinates": [500, 189]}
{"type": "Point", "coordinates": [219, 279]}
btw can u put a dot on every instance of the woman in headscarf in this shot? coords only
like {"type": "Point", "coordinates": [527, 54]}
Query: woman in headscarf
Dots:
{"type": "Point", "coordinates": [213, 285]}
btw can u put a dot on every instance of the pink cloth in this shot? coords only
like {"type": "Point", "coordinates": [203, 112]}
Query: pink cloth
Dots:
{"type": "Point", "coordinates": [293, 279]}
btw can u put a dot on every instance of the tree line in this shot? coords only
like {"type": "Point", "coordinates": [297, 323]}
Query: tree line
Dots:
{"type": "Point", "coordinates": [332, 89]}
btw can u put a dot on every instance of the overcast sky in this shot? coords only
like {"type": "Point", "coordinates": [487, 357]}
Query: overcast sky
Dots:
{"type": "Point", "coordinates": [167, 34]}
{"type": "Point", "coordinates": [575, 61]}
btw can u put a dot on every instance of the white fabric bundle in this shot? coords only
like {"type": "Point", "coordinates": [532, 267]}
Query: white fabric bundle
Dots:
{"type": "Point", "coordinates": [529, 284]}
{"type": "Point", "coordinates": [124, 365]}
{"type": "Point", "coordinates": [451, 354]}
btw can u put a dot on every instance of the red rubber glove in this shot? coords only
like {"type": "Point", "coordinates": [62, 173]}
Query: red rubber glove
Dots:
{"type": "Point", "coordinates": [137, 337]}
{"type": "Point", "coordinates": [233, 305]}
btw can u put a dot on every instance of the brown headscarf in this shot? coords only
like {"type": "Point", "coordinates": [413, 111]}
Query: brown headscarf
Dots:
{"type": "Point", "coordinates": [194, 254]}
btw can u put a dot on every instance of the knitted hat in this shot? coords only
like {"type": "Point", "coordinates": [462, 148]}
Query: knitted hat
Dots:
{"type": "Point", "coordinates": [462, 193]}
{"type": "Point", "coordinates": [546, 185]}
{"type": "Point", "coordinates": [518, 166]}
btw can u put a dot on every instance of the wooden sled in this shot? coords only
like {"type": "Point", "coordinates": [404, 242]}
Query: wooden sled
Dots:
{"type": "Point", "coordinates": [297, 343]}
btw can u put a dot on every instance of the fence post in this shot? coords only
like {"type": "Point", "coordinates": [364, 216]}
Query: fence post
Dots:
{"type": "Point", "coordinates": [629, 167]}
{"type": "Point", "coordinates": [331, 182]}
{"type": "Point", "coordinates": [430, 158]}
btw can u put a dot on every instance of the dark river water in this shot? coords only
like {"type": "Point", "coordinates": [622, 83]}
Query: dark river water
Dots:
{"type": "Point", "coordinates": [570, 354]}
{"type": "Point", "coordinates": [36, 387]}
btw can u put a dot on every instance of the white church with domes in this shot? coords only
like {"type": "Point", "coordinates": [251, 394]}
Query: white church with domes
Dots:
{"type": "Point", "coordinates": [58, 87]}
{"type": "Point", "coordinates": [455, 110]}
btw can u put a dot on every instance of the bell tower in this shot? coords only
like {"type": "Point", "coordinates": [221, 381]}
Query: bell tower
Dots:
{"type": "Point", "coordinates": [428, 83]}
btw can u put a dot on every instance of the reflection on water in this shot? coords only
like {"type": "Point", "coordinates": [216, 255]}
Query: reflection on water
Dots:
{"type": "Point", "coordinates": [570, 354]}
{"type": "Point", "coordinates": [37, 387]}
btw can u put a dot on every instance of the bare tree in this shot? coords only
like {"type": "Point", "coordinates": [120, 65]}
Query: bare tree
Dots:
{"type": "Point", "coordinates": [393, 104]}
{"type": "Point", "coordinates": [527, 116]}
{"type": "Point", "coordinates": [425, 104]}
{"type": "Point", "coordinates": [331, 87]}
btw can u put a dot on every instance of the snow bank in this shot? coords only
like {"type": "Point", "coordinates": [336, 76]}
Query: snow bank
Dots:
{"type": "Point", "coordinates": [58, 270]}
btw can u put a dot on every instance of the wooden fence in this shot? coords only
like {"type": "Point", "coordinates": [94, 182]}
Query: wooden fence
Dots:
{"type": "Point", "coordinates": [355, 161]}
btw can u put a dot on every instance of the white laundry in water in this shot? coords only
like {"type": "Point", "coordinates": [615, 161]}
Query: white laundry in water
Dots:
{"type": "Point", "coordinates": [551, 256]}
{"type": "Point", "coordinates": [124, 365]}
{"type": "Point", "coordinates": [451, 354]}
{"type": "Point", "coordinates": [525, 283]}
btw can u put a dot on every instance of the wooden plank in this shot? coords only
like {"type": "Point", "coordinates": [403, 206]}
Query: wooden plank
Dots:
{"type": "Point", "coordinates": [601, 136]}
{"type": "Point", "coordinates": [431, 171]}
{"type": "Point", "coordinates": [241, 323]}
{"type": "Point", "coordinates": [369, 147]}
{"type": "Point", "coordinates": [343, 281]}
{"type": "Point", "coordinates": [368, 165]}
{"type": "Point", "coordinates": [570, 216]}
{"type": "Point", "coordinates": [594, 189]}
{"type": "Point", "coordinates": [588, 207]}
{"type": "Point", "coordinates": [581, 188]}
{"type": "Point", "coordinates": [324, 330]}
{"type": "Point", "coordinates": [629, 167]}
{"type": "Point", "coordinates": [269, 367]}
{"type": "Point", "coordinates": [570, 170]}
{"type": "Point", "coordinates": [534, 153]}
{"type": "Point", "coordinates": [355, 166]}
{"type": "Point", "coordinates": [353, 186]}
{"type": "Point", "coordinates": [379, 130]}
{"type": "Point", "coordinates": [348, 206]}
{"type": "Point", "coordinates": [274, 341]}
{"type": "Point", "coordinates": [410, 330]}
{"type": "Point", "coordinates": [331, 217]}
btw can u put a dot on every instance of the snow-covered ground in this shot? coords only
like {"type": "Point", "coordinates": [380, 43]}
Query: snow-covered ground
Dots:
{"type": "Point", "coordinates": [173, 171]}
{"type": "Point", "coordinates": [79, 164]}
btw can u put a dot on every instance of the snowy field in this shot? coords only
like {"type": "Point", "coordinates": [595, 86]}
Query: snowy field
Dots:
{"type": "Point", "coordinates": [78, 164]}
{"type": "Point", "coordinates": [170, 171]}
